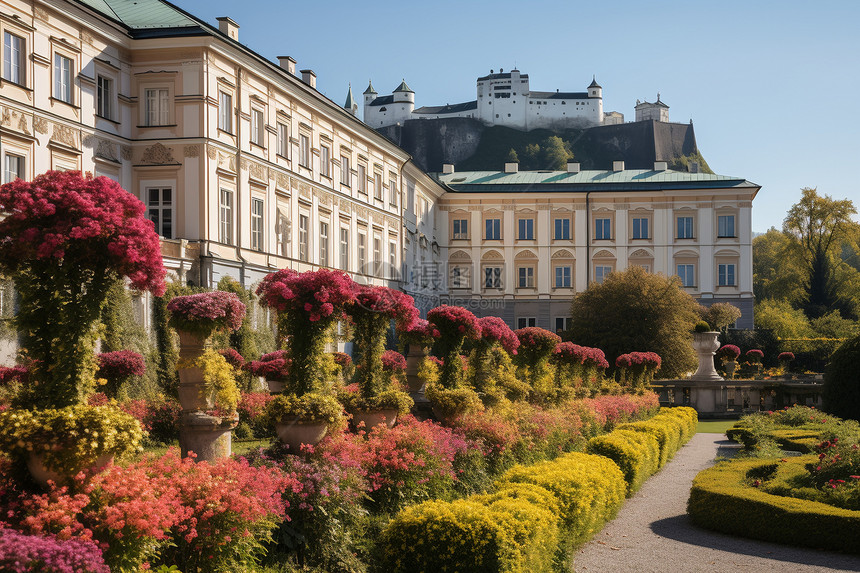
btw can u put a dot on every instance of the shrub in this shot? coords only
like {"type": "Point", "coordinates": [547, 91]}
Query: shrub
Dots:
{"type": "Point", "coordinates": [842, 381]}
{"type": "Point", "coordinates": [117, 367]}
{"type": "Point", "coordinates": [724, 498]}
{"type": "Point", "coordinates": [393, 361]}
{"type": "Point", "coordinates": [702, 326]}
{"type": "Point", "coordinates": [533, 358]}
{"type": "Point", "coordinates": [455, 324]}
{"type": "Point", "coordinates": [204, 313]}
{"type": "Point", "coordinates": [666, 430]}
{"type": "Point", "coordinates": [638, 369]}
{"type": "Point", "coordinates": [636, 453]}
{"type": "Point", "coordinates": [252, 411]}
{"type": "Point", "coordinates": [728, 352]}
{"type": "Point", "coordinates": [218, 379]}
{"type": "Point", "coordinates": [21, 553]}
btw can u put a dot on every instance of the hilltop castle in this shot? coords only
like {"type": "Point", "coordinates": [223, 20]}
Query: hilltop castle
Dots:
{"type": "Point", "coordinates": [504, 98]}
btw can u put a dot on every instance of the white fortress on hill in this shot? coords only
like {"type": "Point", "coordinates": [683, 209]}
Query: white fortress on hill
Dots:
{"type": "Point", "coordinates": [504, 98]}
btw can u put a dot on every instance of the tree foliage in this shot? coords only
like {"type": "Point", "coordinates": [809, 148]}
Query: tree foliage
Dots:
{"type": "Point", "coordinates": [777, 274]}
{"type": "Point", "coordinates": [721, 315]}
{"type": "Point", "coordinates": [783, 319]}
{"type": "Point", "coordinates": [637, 311]}
{"type": "Point", "coordinates": [552, 153]}
{"type": "Point", "coordinates": [842, 381]}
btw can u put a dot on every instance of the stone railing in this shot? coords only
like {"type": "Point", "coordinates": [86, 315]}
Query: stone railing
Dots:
{"type": "Point", "coordinates": [727, 398]}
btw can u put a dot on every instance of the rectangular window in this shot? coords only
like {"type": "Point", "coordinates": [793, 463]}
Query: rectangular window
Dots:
{"type": "Point", "coordinates": [726, 275]}
{"type": "Point", "coordinates": [685, 227]}
{"type": "Point", "coordinates": [13, 58]}
{"type": "Point", "coordinates": [562, 323]}
{"type": "Point", "coordinates": [157, 110]}
{"type": "Point", "coordinates": [640, 228]}
{"type": "Point", "coordinates": [104, 97]}
{"type": "Point", "coordinates": [325, 161]}
{"type": "Point", "coordinates": [362, 253]}
{"type": "Point", "coordinates": [494, 229]}
{"type": "Point", "coordinates": [283, 140]}
{"type": "Point", "coordinates": [461, 228]}
{"type": "Point", "coordinates": [460, 277]}
{"type": "Point", "coordinates": [63, 78]}
{"type": "Point", "coordinates": [687, 273]}
{"type": "Point", "coordinates": [13, 168]}
{"type": "Point", "coordinates": [304, 222]}
{"type": "Point", "coordinates": [377, 256]}
{"type": "Point", "coordinates": [600, 272]}
{"type": "Point", "coordinates": [526, 322]}
{"type": "Point", "coordinates": [562, 229]}
{"type": "Point", "coordinates": [392, 188]}
{"type": "Point", "coordinates": [159, 210]}
{"type": "Point", "coordinates": [344, 249]}
{"type": "Point", "coordinates": [526, 229]}
{"type": "Point", "coordinates": [377, 186]}
{"type": "Point", "coordinates": [323, 244]}
{"type": "Point", "coordinates": [362, 179]}
{"type": "Point", "coordinates": [225, 112]}
{"type": "Point", "coordinates": [305, 151]}
{"type": "Point", "coordinates": [344, 170]}
{"type": "Point", "coordinates": [726, 226]}
{"type": "Point", "coordinates": [492, 277]}
{"type": "Point", "coordinates": [257, 224]}
{"type": "Point", "coordinates": [226, 228]}
{"type": "Point", "coordinates": [257, 127]}
{"type": "Point", "coordinates": [526, 277]}
{"type": "Point", "coordinates": [392, 259]}
{"type": "Point", "coordinates": [562, 277]}
{"type": "Point", "coordinates": [602, 229]}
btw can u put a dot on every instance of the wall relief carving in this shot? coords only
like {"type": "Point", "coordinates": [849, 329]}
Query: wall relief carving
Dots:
{"type": "Point", "coordinates": [158, 154]}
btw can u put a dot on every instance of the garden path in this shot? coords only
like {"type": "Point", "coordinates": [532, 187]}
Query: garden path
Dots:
{"type": "Point", "coordinates": [653, 534]}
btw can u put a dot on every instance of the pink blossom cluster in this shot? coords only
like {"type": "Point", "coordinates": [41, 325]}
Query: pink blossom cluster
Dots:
{"type": "Point", "coordinates": [342, 359]}
{"type": "Point", "coordinates": [785, 356]}
{"type": "Point", "coordinates": [453, 322]}
{"type": "Point", "coordinates": [728, 351]}
{"type": "Point", "coordinates": [233, 358]}
{"type": "Point", "coordinates": [275, 369]}
{"type": "Point", "coordinates": [639, 359]}
{"type": "Point", "coordinates": [22, 553]}
{"type": "Point", "coordinates": [393, 361]}
{"type": "Point", "coordinates": [570, 353]}
{"type": "Point", "coordinates": [17, 373]}
{"type": "Point", "coordinates": [537, 339]}
{"type": "Point", "coordinates": [252, 405]}
{"type": "Point", "coordinates": [317, 295]}
{"type": "Point", "coordinates": [610, 410]}
{"type": "Point", "coordinates": [420, 333]}
{"type": "Point", "coordinates": [216, 309]}
{"type": "Point", "coordinates": [379, 300]}
{"type": "Point", "coordinates": [80, 221]}
{"type": "Point", "coordinates": [494, 329]}
{"type": "Point", "coordinates": [120, 364]}
{"type": "Point", "coordinates": [754, 355]}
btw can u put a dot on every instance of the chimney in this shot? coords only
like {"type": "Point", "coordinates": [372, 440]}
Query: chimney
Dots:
{"type": "Point", "coordinates": [310, 78]}
{"type": "Point", "coordinates": [447, 168]}
{"type": "Point", "coordinates": [512, 167]}
{"type": "Point", "coordinates": [693, 167]}
{"type": "Point", "coordinates": [228, 27]}
{"type": "Point", "coordinates": [287, 63]}
{"type": "Point", "coordinates": [618, 166]}
{"type": "Point", "coordinates": [661, 166]}
{"type": "Point", "coordinates": [573, 167]}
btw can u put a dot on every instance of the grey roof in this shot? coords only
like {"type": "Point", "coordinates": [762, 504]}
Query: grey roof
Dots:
{"type": "Point", "coordinates": [383, 100]}
{"type": "Point", "coordinates": [562, 181]}
{"type": "Point", "coordinates": [454, 108]}
{"type": "Point", "coordinates": [503, 76]}
{"type": "Point", "coordinates": [657, 103]}
{"type": "Point", "coordinates": [350, 101]}
{"type": "Point", "coordinates": [403, 87]}
{"type": "Point", "coordinates": [370, 89]}
{"type": "Point", "coordinates": [594, 83]}
{"type": "Point", "coordinates": [558, 95]}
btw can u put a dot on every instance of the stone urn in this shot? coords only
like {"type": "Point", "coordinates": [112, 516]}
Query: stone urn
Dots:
{"type": "Point", "coordinates": [191, 347]}
{"type": "Point", "coordinates": [413, 363]}
{"type": "Point", "coordinates": [374, 418]}
{"type": "Point", "coordinates": [730, 366]}
{"type": "Point", "coordinates": [706, 344]}
{"type": "Point", "coordinates": [275, 386]}
{"type": "Point", "coordinates": [295, 432]}
{"type": "Point", "coordinates": [41, 474]}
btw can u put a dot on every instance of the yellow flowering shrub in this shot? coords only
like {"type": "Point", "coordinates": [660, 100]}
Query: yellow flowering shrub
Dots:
{"type": "Point", "coordinates": [636, 453]}
{"type": "Point", "coordinates": [218, 379]}
{"type": "Point", "coordinates": [666, 429]}
{"type": "Point", "coordinates": [689, 420]}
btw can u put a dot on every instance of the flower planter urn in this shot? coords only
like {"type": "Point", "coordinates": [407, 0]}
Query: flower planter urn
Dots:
{"type": "Point", "coordinates": [706, 344]}
{"type": "Point", "coordinates": [275, 386]}
{"type": "Point", "coordinates": [41, 474]}
{"type": "Point", "coordinates": [295, 432]}
{"type": "Point", "coordinates": [413, 363]}
{"type": "Point", "coordinates": [209, 437]}
{"type": "Point", "coordinates": [730, 366]}
{"type": "Point", "coordinates": [374, 418]}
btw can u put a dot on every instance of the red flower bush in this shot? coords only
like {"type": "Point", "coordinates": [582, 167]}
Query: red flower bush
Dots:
{"type": "Point", "coordinates": [393, 361]}
{"type": "Point", "coordinates": [754, 356]}
{"type": "Point", "coordinates": [17, 373]}
{"type": "Point", "coordinates": [785, 356]}
{"type": "Point", "coordinates": [315, 295]}
{"type": "Point", "coordinates": [638, 368]}
{"type": "Point", "coordinates": [612, 410]}
{"type": "Point", "coordinates": [233, 358]}
{"type": "Point", "coordinates": [455, 324]}
{"type": "Point", "coordinates": [421, 333]}
{"type": "Point", "coordinates": [20, 553]}
{"type": "Point", "coordinates": [728, 352]}
{"type": "Point", "coordinates": [494, 329]}
{"type": "Point", "coordinates": [536, 343]}
{"type": "Point", "coordinates": [206, 312]}
{"type": "Point", "coordinates": [117, 367]}
{"type": "Point", "coordinates": [385, 302]}
{"type": "Point", "coordinates": [342, 359]}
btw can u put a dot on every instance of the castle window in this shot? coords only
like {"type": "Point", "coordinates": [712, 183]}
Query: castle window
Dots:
{"type": "Point", "coordinates": [383, 109]}
{"type": "Point", "coordinates": [564, 103]}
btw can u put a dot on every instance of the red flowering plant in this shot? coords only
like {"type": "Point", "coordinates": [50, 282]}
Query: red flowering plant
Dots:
{"type": "Point", "coordinates": [420, 333]}
{"type": "Point", "coordinates": [393, 361]}
{"type": "Point", "coordinates": [17, 373]}
{"type": "Point", "coordinates": [118, 367]}
{"type": "Point", "coordinates": [533, 360]}
{"type": "Point", "coordinates": [21, 553]}
{"type": "Point", "coordinates": [233, 358]}
{"type": "Point", "coordinates": [485, 369]}
{"type": "Point", "coordinates": [252, 411]}
{"type": "Point", "coordinates": [754, 356]}
{"type": "Point", "coordinates": [594, 366]}
{"type": "Point", "coordinates": [64, 240]}
{"type": "Point", "coordinates": [637, 369]}
{"type": "Point", "coordinates": [204, 313]}
{"type": "Point", "coordinates": [569, 360]}
{"type": "Point", "coordinates": [455, 325]}
{"type": "Point", "coordinates": [374, 309]}
{"type": "Point", "coordinates": [785, 360]}
{"type": "Point", "coordinates": [728, 352]}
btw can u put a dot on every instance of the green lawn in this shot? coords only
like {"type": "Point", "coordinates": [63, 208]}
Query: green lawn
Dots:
{"type": "Point", "coordinates": [714, 426]}
{"type": "Point", "coordinates": [238, 447]}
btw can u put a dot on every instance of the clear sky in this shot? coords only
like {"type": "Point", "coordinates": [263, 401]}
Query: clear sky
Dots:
{"type": "Point", "coordinates": [772, 86]}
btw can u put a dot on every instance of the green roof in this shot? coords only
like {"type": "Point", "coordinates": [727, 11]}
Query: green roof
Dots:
{"type": "Point", "coordinates": [142, 14]}
{"type": "Point", "coordinates": [559, 181]}
{"type": "Point", "coordinates": [403, 88]}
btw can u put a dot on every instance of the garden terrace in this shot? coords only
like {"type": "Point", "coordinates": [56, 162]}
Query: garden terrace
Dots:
{"type": "Point", "coordinates": [734, 397]}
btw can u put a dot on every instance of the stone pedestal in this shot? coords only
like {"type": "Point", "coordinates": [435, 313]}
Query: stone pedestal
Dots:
{"type": "Point", "coordinates": [706, 344]}
{"type": "Point", "coordinates": [413, 362]}
{"type": "Point", "coordinates": [209, 437]}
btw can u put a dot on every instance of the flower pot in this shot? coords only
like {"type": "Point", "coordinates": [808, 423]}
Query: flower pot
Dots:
{"type": "Point", "coordinates": [374, 418]}
{"type": "Point", "coordinates": [190, 398]}
{"type": "Point", "coordinates": [209, 437]}
{"type": "Point", "coordinates": [294, 433]}
{"type": "Point", "coordinates": [275, 386]}
{"type": "Point", "coordinates": [730, 366]}
{"type": "Point", "coordinates": [413, 362]}
{"type": "Point", "coordinates": [41, 474]}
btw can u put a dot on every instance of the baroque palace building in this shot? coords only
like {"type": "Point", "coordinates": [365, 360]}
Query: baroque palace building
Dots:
{"type": "Point", "coordinates": [245, 168]}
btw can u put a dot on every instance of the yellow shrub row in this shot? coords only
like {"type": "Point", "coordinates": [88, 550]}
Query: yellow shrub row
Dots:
{"type": "Point", "coordinates": [530, 524]}
{"type": "Point", "coordinates": [641, 448]}
{"type": "Point", "coordinates": [724, 499]}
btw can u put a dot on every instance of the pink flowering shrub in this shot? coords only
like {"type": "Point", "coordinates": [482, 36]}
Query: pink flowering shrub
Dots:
{"type": "Point", "coordinates": [206, 312]}
{"type": "Point", "coordinates": [65, 240]}
{"type": "Point", "coordinates": [754, 356]}
{"type": "Point", "coordinates": [10, 374]}
{"type": "Point", "coordinates": [233, 358]}
{"type": "Point", "coordinates": [455, 324]}
{"type": "Point", "coordinates": [342, 359]}
{"type": "Point", "coordinates": [494, 329]}
{"type": "Point", "coordinates": [21, 553]}
{"type": "Point", "coordinates": [117, 367]}
{"type": "Point", "coordinates": [393, 361]}
{"type": "Point", "coordinates": [638, 368]}
{"type": "Point", "coordinates": [785, 356]}
{"type": "Point", "coordinates": [251, 411]}
{"type": "Point", "coordinates": [609, 410]}
{"type": "Point", "coordinates": [533, 361]}
{"type": "Point", "coordinates": [420, 333]}
{"type": "Point", "coordinates": [728, 352]}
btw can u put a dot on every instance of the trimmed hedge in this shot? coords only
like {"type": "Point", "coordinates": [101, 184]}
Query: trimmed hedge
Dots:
{"type": "Point", "coordinates": [668, 435]}
{"type": "Point", "coordinates": [723, 499]}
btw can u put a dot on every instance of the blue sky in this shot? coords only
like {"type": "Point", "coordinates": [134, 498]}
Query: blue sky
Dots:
{"type": "Point", "coordinates": [772, 87]}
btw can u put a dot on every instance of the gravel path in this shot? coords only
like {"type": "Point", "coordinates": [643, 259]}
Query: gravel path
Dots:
{"type": "Point", "coordinates": [652, 533]}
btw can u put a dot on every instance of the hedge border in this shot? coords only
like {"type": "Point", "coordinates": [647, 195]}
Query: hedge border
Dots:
{"type": "Point", "coordinates": [721, 499]}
